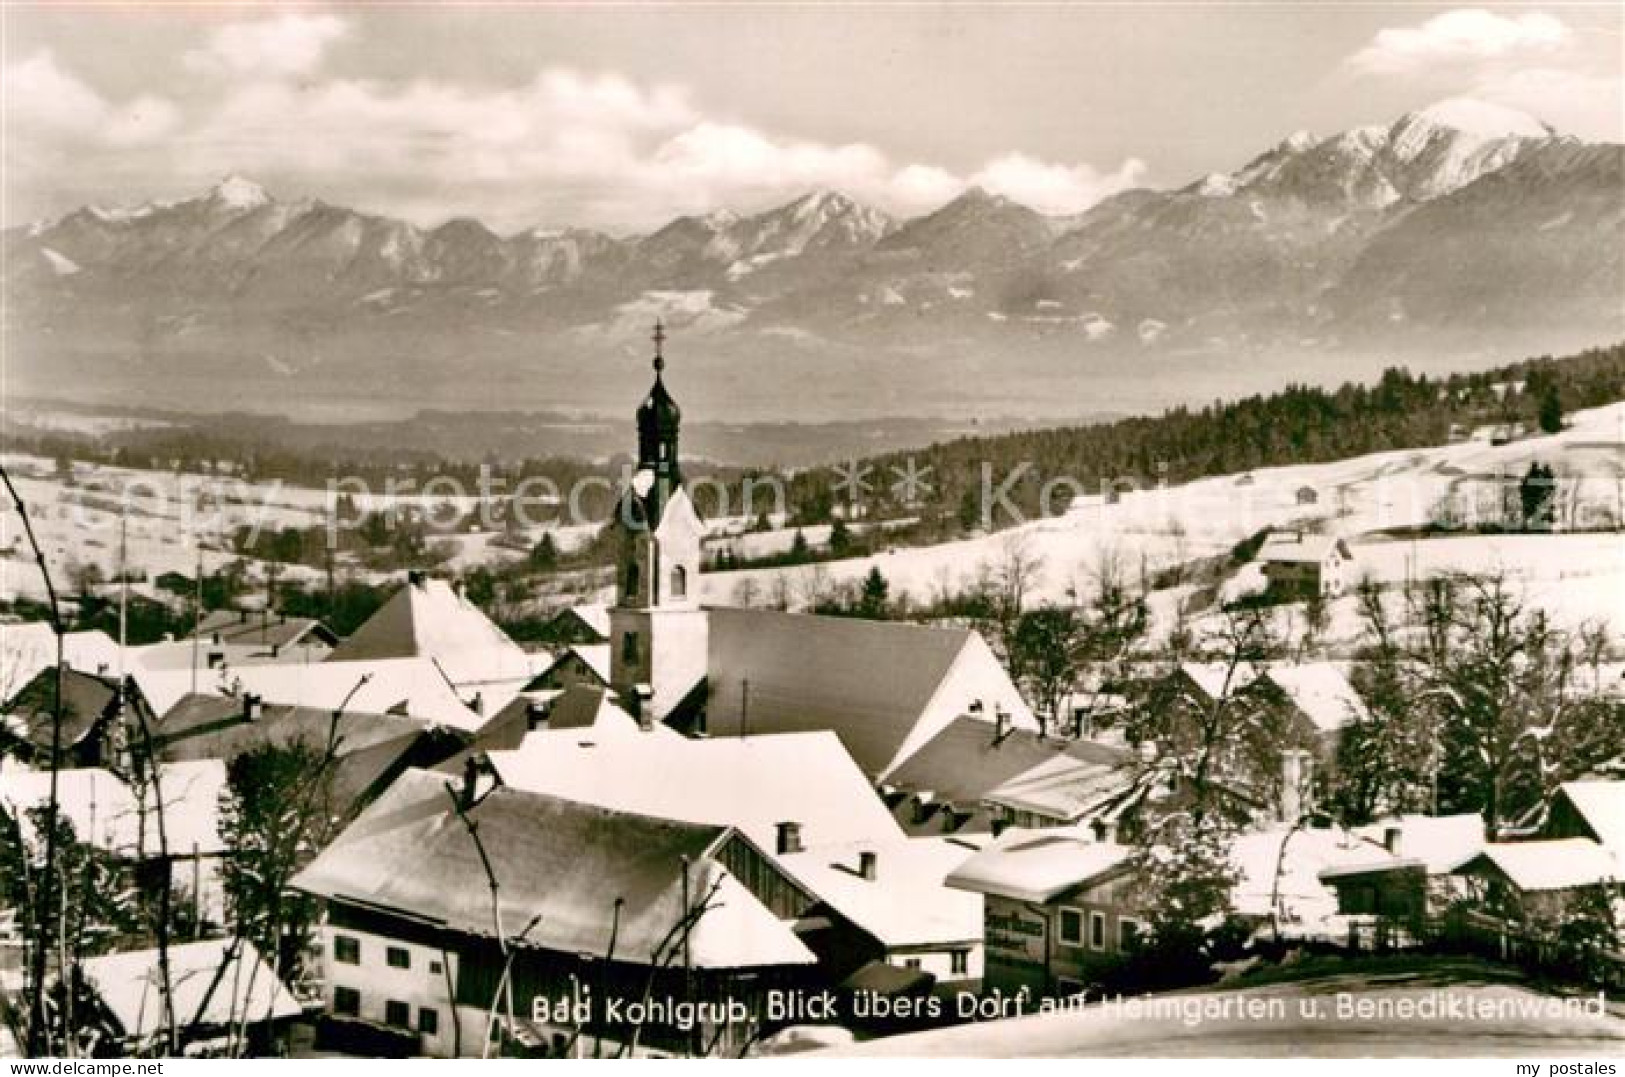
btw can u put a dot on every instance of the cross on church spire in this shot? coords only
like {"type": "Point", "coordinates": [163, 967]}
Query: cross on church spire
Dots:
{"type": "Point", "coordinates": [659, 338]}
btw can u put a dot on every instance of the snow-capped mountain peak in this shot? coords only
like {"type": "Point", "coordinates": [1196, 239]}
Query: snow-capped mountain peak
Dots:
{"type": "Point", "coordinates": [237, 192]}
{"type": "Point", "coordinates": [1482, 118]}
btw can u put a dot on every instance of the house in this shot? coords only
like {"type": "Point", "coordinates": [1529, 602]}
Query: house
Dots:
{"type": "Point", "coordinates": [226, 999]}
{"type": "Point", "coordinates": [585, 664]}
{"type": "Point", "coordinates": [120, 817]}
{"type": "Point", "coordinates": [99, 719]}
{"type": "Point", "coordinates": [1536, 883]}
{"type": "Point", "coordinates": [784, 791]}
{"type": "Point", "coordinates": [1088, 786]}
{"type": "Point", "coordinates": [1306, 495]}
{"type": "Point", "coordinates": [1059, 908]}
{"type": "Point", "coordinates": [887, 901]}
{"type": "Point", "coordinates": [369, 750]}
{"type": "Point", "coordinates": [1407, 873]}
{"type": "Point", "coordinates": [586, 622]}
{"type": "Point", "coordinates": [1319, 700]}
{"type": "Point", "coordinates": [884, 688]}
{"type": "Point", "coordinates": [1300, 565]}
{"type": "Point", "coordinates": [593, 902]}
{"type": "Point", "coordinates": [239, 637]}
{"type": "Point", "coordinates": [1316, 882]}
{"type": "Point", "coordinates": [952, 784]}
{"type": "Point", "coordinates": [431, 620]}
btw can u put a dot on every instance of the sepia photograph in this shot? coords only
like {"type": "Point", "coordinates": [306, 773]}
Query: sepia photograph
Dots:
{"type": "Point", "coordinates": [811, 530]}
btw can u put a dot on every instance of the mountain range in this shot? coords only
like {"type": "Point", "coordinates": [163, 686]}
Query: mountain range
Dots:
{"type": "Point", "coordinates": [1462, 232]}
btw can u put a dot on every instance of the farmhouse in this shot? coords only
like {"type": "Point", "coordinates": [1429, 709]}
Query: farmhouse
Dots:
{"type": "Point", "coordinates": [1301, 565]}
{"type": "Point", "coordinates": [602, 909]}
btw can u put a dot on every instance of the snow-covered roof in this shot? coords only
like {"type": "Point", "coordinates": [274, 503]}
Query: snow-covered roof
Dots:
{"type": "Point", "coordinates": [130, 985]}
{"type": "Point", "coordinates": [1602, 805]}
{"type": "Point", "coordinates": [595, 615]}
{"type": "Point", "coordinates": [428, 619]}
{"type": "Point", "coordinates": [1551, 865]}
{"type": "Point", "coordinates": [1306, 903]}
{"type": "Point", "coordinates": [1322, 692]}
{"type": "Point", "coordinates": [1441, 842]}
{"type": "Point", "coordinates": [885, 688]}
{"type": "Point", "coordinates": [562, 865]}
{"type": "Point", "coordinates": [1297, 547]}
{"type": "Point", "coordinates": [907, 903]}
{"type": "Point", "coordinates": [752, 783]}
{"type": "Point", "coordinates": [1038, 865]}
{"type": "Point", "coordinates": [413, 686]}
{"type": "Point", "coordinates": [1065, 787]}
{"type": "Point", "coordinates": [1217, 679]}
{"type": "Point", "coordinates": [108, 814]}
{"type": "Point", "coordinates": [27, 648]}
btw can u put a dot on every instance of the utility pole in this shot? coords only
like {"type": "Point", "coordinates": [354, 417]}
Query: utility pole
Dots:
{"type": "Point", "coordinates": [197, 611]}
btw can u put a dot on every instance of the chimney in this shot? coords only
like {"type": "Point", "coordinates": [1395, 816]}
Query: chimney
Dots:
{"type": "Point", "coordinates": [536, 714]}
{"type": "Point", "coordinates": [1393, 839]}
{"type": "Point", "coordinates": [1001, 723]}
{"type": "Point", "coordinates": [242, 616]}
{"type": "Point", "coordinates": [253, 707]}
{"type": "Point", "coordinates": [1294, 783]}
{"type": "Point", "coordinates": [643, 701]}
{"type": "Point", "coordinates": [789, 838]}
{"type": "Point", "coordinates": [416, 578]}
{"type": "Point", "coordinates": [478, 780]}
{"type": "Point", "coordinates": [477, 704]}
{"type": "Point", "coordinates": [868, 864]}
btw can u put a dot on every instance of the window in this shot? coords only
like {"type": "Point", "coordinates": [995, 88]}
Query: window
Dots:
{"type": "Point", "coordinates": [911, 962]}
{"type": "Point", "coordinates": [398, 958]}
{"type": "Point", "coordinates": [398, 1014]}
{"type": "Point", "coordinates": [1097, 930]}
{"type": "Point", "coordinates": [428, 1020]}
{"type": "Point", "coordinates": [679, 582]}
{"type": "Point", "coordinates": [631, 579]}
{"type": "Point", "coordinates": [1128, 933]}
{"type": "Point", "coordinates": [1071, 927]}
{"type": "Point", "coordinates": [629, 647]}
{"type": "Point", "coordinates": [346, 1001]}
{"type": "Point", "coordinates": [961, 962]}
{"type": "Point", "coordinates": [346, 950]}
{"type": "Point", "coordinates": [435, 968]}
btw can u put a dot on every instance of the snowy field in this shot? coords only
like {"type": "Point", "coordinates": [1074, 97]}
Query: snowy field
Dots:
{"type": "Point", "coordinates": [1577, 576]}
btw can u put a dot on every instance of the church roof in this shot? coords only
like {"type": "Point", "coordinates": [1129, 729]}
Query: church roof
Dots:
{"type": "Point", "coordinates": [878, 685]}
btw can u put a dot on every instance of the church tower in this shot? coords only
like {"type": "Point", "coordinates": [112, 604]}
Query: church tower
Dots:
{"type": "Point", "coordinates": [657, 628]}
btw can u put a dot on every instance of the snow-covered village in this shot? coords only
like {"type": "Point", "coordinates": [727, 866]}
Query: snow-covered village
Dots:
{"type": "Point", "coordinates": [806, 604]}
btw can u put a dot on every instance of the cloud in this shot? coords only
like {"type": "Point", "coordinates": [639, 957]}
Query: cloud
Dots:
{"type": "Point", "coordinates": [566, 147]}
{"type": "Point", "coordinates": [49, 105]}
{"type": "Point", "coordinates": [1463, 35]}
{"type": "Point", "coordinates": [290, 44]}
{"type": "Point", "coordinates": [1055, 188]}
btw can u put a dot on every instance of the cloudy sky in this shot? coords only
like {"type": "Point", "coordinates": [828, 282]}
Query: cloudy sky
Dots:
{"type": "Point", "coordinates": [621, 117]}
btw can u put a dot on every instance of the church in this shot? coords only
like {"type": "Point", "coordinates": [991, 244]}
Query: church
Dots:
{"type": "Point", "coordinates": [884, 688]}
